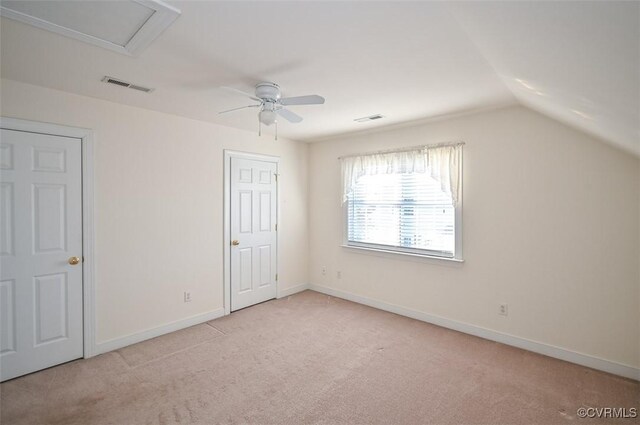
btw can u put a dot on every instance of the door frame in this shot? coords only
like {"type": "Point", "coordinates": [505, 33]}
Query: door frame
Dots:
{"type": "Point", "coordinates": [87, 140]}
{"type": "Point", "coordinates": [226, 240]}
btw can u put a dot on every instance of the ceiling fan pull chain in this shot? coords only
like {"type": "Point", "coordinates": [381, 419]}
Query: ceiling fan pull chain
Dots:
{"type": "Point", "coordinates": [276, 130]}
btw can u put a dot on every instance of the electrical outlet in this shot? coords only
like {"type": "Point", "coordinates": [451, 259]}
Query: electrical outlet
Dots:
{"type": "Point", "coordinates": [187, 296]}
{"type": "Point", "coordinates": [339, 274]}
{"type": "Point", "coordinates": [503, 310]}
{"type": "Point", "coordinates": [324, 270]}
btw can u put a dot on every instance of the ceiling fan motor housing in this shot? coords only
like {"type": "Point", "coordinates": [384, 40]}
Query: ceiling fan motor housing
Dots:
{"type": "Point", "coordinates": [268, 91]}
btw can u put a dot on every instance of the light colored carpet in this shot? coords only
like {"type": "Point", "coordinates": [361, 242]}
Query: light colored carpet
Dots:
{"type": "Point", "coordinates": [314, 359]}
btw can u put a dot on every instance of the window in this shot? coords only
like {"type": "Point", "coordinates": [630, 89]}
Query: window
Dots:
{"type": "Point", "coordinates": [402, 208]}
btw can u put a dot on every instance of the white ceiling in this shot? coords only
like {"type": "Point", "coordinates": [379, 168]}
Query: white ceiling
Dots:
{"type": "Point", "coordinates": [116, 22]}
{"type": "Point", "coordinates": [577, 62]}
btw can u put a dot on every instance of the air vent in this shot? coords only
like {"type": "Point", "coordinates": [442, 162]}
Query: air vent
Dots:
{"type": "Point", "coordinates": [369, 118]}
{"type": "Point", "coordinates": [111, 80]}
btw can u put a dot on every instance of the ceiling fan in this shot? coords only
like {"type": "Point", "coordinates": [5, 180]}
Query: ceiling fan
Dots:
{"type": "Point", "coordinates": [271, 104]}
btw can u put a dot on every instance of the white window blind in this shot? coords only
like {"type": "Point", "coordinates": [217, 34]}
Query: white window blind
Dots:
{"type": "Point", "coordinates": [407, 211]}
{"type": "Point", "coordinates": [406, 200]}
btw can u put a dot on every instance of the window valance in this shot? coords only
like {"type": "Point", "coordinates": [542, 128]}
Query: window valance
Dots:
{"type": "Point", "coordinates": [443, 162]}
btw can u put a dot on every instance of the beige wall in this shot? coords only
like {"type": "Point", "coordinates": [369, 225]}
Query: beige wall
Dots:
{"type": "Point", "coordinates": [551, 227]}
{"type": "Point", "coordinates": [551, 222]}
{"type": "Point", "coordinates": [159, 205]}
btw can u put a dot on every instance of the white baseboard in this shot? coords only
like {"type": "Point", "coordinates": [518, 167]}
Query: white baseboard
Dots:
{"type": "Point", "coordinates": [293, 290]}
{"type": "Point", "coordinates": [526, 344]}
{"type": "Point", "coordinates": [116, 343]}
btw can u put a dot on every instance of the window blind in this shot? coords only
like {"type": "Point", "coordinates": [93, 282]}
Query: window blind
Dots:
{"type": "Point", "coordinates": [405, 211]}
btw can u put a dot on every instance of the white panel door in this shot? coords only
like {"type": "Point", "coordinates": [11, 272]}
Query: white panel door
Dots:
{"type": "Point", "coordinates": [253, 232]}
{"type": "Point", "coordinates": [40, 234]}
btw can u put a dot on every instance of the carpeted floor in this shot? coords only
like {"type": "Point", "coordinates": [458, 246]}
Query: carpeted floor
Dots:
{"type": "Point", "coordinates": [314, 359]}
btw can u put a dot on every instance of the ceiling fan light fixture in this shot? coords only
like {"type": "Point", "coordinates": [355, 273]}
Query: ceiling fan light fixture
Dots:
{"type": "Point", "coordinates": [267, 117]}
{"type": "Point", "coordinates": [272, 104]}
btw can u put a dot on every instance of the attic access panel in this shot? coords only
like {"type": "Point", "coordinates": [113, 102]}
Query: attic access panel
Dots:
{"type": "Point", "coordinates": [122, 26]}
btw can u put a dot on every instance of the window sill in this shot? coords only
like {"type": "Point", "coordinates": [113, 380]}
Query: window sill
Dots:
{"type": "Point", "coordinates": [391, 253]}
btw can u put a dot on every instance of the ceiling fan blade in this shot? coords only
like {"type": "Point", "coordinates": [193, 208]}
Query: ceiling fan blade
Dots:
{"type": "Point", "coordinates": [288, 115]}
{"type": "Point", "coordinates": [235, 109]}
{"type": "Point", "coordinates": [312, 99]}
{"type": "Point", "coordinates": [250, 96]}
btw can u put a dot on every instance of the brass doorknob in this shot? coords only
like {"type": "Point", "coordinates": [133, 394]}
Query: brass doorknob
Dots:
{"type": "Point", "coordinates": [234, 243]}
{"type": "Point", "coordinates": [74, 260]}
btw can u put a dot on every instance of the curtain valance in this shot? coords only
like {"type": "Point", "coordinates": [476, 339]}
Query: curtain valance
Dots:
{"type": "Point", "coordinates": [443, 162]}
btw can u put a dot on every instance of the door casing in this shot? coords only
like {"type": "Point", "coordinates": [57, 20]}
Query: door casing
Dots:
{"type": "Point", "coordinates": [228, 154]}
{"type": "Point", "coordinates": [87, 138]}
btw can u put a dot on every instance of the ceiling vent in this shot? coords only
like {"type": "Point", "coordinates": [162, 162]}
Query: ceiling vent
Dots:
{"type": "Point", "coordinates": [111, 80]}
{"type": "Point", "coordinates": [369, 118]}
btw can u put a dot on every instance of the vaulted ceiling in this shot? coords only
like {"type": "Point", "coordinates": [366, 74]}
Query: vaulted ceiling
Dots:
{"type": "Point", "coordinates": [577, 62]}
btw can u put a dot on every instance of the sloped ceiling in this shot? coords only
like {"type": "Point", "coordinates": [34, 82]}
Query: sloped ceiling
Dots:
{"type": "Point", "coordinates": [577, 62]}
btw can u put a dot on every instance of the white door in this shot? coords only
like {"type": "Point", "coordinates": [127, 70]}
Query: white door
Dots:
{"type": "Point", "coordinates": [253, 231]}
{"type": "Point", "coordinates": [40, 240]}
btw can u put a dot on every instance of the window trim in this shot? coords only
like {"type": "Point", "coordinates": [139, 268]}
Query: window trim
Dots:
{"type": "Point", "coordinates": [385, 253]}
{"type": "Point", "coordinates": [413, 252]}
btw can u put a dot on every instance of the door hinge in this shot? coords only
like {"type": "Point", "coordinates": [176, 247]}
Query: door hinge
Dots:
{"type": "Point", "coordinates": [276, 277]}
{"type": "Point", "coordinates": [276, 227]}
{"type": "Point", "coordinates": [276, 174]}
